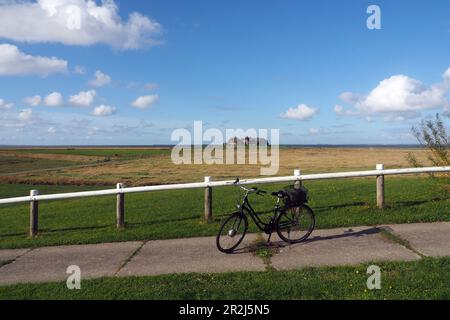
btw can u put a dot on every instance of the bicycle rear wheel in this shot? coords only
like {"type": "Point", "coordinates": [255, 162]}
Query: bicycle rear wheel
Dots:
{"type": "Point", "coordinates": [232, 232]}
{"type": "Point", "coordinates": [296, 224]}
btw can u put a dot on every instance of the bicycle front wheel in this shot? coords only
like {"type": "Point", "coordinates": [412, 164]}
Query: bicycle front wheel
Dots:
{"type": "Point", "coordinates": [232, 232]}
{"type": "Point", "coordinates": [296, 224]}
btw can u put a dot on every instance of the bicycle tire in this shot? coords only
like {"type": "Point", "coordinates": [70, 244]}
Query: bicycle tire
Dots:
{"type": "Point", "coordinates": [237, 216]}
{"type": "Point", "coordinates": [284, 222]}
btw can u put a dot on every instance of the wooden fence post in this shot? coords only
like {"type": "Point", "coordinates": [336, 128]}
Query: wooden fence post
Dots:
{"type": "Point", "coordinates": [298, 184]}
{"type": "Point", "coordinates": [208, 201]}
{"type": "Point", "coordinates": [120, 209]}
{"type": "Point", "coordinates": [34, 215]}
{"type": "Point", "coordinates": [380, 188]}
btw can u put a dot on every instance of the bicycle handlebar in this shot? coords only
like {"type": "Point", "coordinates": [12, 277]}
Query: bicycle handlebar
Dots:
{"type": "Point", "coordinates": [249, 191]}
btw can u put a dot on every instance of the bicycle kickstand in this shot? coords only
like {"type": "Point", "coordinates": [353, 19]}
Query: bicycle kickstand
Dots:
{"type": "Point", "coordinates": [268, 240]}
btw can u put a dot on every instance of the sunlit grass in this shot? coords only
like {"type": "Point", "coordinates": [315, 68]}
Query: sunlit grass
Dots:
{"type": "Point", "coordinates": [425, 279]}
{"type": "Point", "coordinates": [178, 214]}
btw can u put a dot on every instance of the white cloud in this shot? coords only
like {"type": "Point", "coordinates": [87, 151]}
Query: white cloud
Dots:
{"type": "Point", "coordinates": [75, 22]}
{"type": "Point", "coordinates": [145, 101]}
{"type": "Point", "coordinates": [150, 86]}
{"type": "Point", "coordinates": [446, 113]}
{"type": "Point", "coordinates": [301, 112]}
{"type": "Point", "coordinates": [25, 115]}
{"type": "Point", "coordinates": [51, 130]}
{"type": "Point", "coordinates": [54, 99]}
{"type": "Point", "coordinates": [4, 105]}
{"type": "Point", "coordinates": [394, 118]}
{"type": "Point", "coordinates": [103, 111]}
{"type": "Point", "coordinates": [83, 99]}
{"type": "Point", "coordinates": [100, 79]}
{"type": "Point", "coordinates": [79, 70]}
{"type": "Point", "coordinates": [14, 62]}
{"type": "Point", "coordinates": [401, 93]}
{"type": "Point", "coordinates": [446, 74]}
{"type": "Point", "coordinates": [350, 97]}
{"type": "Point", "coordinates": [397, 98]}
{"type": "Point", "coordinates": [33, 101]}
{"type": "Point", "coordinates": [340, 111]}
{"type": "Point", "coordinates": [318, 131]}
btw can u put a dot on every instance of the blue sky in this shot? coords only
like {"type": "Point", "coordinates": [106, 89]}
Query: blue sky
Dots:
{"type": "Point", "coordinates": [309, 68]}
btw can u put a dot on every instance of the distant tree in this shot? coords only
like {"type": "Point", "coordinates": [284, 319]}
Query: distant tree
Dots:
{"type": "Point", "coordinates": [432, 135]}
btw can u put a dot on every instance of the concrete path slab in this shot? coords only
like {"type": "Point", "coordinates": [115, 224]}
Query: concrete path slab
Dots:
{"type": "Point", "coordinates": [50, 264]}
{"type": "Point", "coordinates": [430, 239]}
{"type": "Point", "coordinates": [8, 255]}
{"type": "Point", "coordinates": [191, 255]}
{"type": "Point", "coordinates": [343, 246]}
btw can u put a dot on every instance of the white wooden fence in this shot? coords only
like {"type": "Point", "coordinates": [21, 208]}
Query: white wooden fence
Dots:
{"type": "Point", "coordinates": [208, 184]}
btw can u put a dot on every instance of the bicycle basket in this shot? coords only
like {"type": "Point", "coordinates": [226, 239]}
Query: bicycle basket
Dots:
{"type": "Point", "coordinates": [295, 197]}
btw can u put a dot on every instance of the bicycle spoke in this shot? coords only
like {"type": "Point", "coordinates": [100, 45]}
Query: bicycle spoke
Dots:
{"type": "Point", "coordinates": [295, 224]}
{"type": "Point", "coordinates": [240, 220]}
{"type": "Point", "coordinates": [230, 242]}
{"type": "Point", "coordinates": [232, 232]}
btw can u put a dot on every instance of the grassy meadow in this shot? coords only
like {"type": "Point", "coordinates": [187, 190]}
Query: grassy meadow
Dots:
{"type": "Point", "coordinates": [153, 166]}
{"type": "Point", "coordinates": [177, 214]}
{"type": "Point", "coordinates": [426, 279]}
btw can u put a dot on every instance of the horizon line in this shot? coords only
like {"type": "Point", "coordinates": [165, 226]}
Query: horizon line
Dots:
{"type": "Point", "coordinates": [173, 145]}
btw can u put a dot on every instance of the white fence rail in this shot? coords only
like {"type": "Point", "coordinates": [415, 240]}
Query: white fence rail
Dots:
{"type": "Point", "coordinates": [212, 184]}
{"type": "Point", "coordinates": [120, 191]}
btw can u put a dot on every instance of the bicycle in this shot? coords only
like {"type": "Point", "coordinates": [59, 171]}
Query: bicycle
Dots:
{"type": "Point", "coordinates": [293, 224]}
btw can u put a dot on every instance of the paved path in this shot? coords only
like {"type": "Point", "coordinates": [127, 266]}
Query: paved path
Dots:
{"type": "Point", "coordinates": [342, 246]}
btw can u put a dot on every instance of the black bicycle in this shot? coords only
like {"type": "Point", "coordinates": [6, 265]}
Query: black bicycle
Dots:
{"type": "Point", "coordinates": [292, 219]}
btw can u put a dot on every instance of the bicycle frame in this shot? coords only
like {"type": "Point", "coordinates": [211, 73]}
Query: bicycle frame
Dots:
{"type": "Point", "coordinates": [277, 223]}
{"type": "Point", "coordinates": [246, 207]}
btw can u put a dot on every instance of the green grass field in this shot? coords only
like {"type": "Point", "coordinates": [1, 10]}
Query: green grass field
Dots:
{"type": "Point", "coordinates": [15, 164]}
{"type": "Point", "coordinates": [425, 279]}
{"type": "Point", "coordinates": [177, 214]}
{"type": "Point", "coordinates": [122, 153]}
{"type": "Point", "coordinates": [37, 159]}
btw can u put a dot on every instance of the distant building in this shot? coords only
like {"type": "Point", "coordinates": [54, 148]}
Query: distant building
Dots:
{"type": "Point", "coordinates": [247, 141]}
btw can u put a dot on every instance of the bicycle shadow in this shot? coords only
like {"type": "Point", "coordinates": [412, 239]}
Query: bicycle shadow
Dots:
{"type": "Point", "coordinates": [279, 244]}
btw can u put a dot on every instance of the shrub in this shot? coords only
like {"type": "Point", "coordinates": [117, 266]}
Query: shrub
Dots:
{"type": "Point", "coordinates": [433, 136]}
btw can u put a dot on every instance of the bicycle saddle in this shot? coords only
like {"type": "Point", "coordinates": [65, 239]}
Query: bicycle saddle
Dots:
{"type": "Point", "coordinates": [279, 194]}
